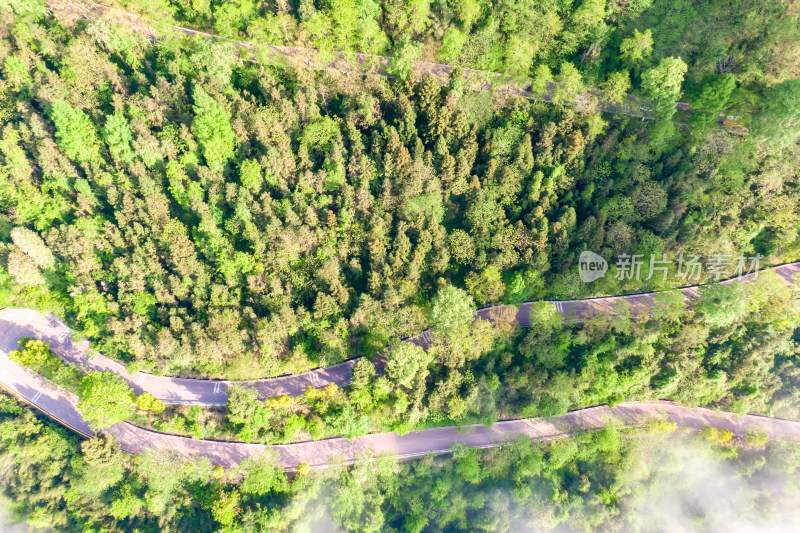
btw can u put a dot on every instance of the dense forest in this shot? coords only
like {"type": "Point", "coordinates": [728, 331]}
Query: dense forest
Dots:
{"type": "Point", "coordinates": [195, 211]}
{"type": "Point", "coordinates": [736, 349]}
{"type": "Point", "coordinates": [195, 214]}
{"type": "Point", "coordinates": [756, 40]}
{"type": "Point", "coordinates": [614, 480]}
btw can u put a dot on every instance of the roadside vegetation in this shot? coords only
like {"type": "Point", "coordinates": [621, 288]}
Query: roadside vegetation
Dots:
{"type": "Point", "coordinates": [103, 397]}
{"type": "Point", "coordinates": [194, 213]}
{"type": "Point", "coordinates": [736, 349]}
{"type": "Point", "coordinates": [611, 479]}
{"type": "Point", "coordinates": [756, 40]}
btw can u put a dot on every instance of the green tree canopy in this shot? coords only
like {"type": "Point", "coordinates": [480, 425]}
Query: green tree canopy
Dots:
{"type": "Point", "coordinates": [226, 507]}
{"type": "Point", "coordinates": [263, 475]}
{"type": "Point", "coordinates": [616, 87]}
{"type": "Point", "coordinates": [148, 402]}
{"type": "Point", "coordinates": [211, 126]}
{"type": "Point", "coordinates": [779, 117]}
{"type": "Point", "coordinates": [714, 92]}
{"type": "Point", "coordinates": [36, 355]}
{"type": "Point", "coordinates": [34, 247]}
{"type": "Point", "coordinates": [638, 47]}
{"type": "Point", "coordinates": [663, 83]}
{"type": "Point", "coordinates": [402, 61]}
{"type": "Point", "coordinates": [721, 305]}
{"type": "Point", "coordinates": [451, 308]}
{"type": "Point", "coordinates": [362, 373]}
{"type": "Point", "coordinates": [118, 136]}
{"type": "Point", "coordinates": [542, 77]}
{"type": "Point", "coordinates": [404, 362]}
{"type": "Point", "coordinates": [569, 84]}
{"type": "Point", "coordinates": [242, 404]}
{"type": "Point", "coordinates": [104, 399]}
{"type": "Point", "coordinates": [75, 132]}
{"type": "Point", "coordinates": [102, 467]}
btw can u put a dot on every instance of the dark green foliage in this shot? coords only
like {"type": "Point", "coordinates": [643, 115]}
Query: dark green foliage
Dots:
{"type": "Point", "coordinates": [310, 218]}
{"type": "Point", "coordinates": [779, 117]}
{"type": "Point", "coordinates": [608, 480]}
{"type": "Point", "coordinates": [714, 92]}
{"type": "Point", "coordinates": [246, 414]}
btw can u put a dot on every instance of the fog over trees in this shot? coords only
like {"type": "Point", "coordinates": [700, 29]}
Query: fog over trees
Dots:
{"type": "Point", "coordinates": [193, 209]}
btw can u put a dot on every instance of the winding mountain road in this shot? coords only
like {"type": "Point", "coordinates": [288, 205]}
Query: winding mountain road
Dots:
{"type": "Point", "coordinates": [18, 323]}
{"type": "Point", "coordinates": [60, 404]}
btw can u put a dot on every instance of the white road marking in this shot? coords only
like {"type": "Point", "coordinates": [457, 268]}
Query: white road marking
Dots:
{"type": "Point", "coordinates": [313, 377]}
{"type": "Point", "coordinates": [140, 380]}
{"type": "Point", "coordinates": [216, 387]}
{"type": "Point", "coordinates": [36, 397]}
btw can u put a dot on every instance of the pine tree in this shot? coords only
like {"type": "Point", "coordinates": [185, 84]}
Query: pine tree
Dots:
{"type": "Point", "coordinates": [211, 126]}
{"type": "Point", "coordinates": [118, 136]}
{"type": "Point", "coordinates": [75, 132]}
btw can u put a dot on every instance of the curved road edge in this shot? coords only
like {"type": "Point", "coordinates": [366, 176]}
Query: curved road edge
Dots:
{"type": "Point", "coordinates": [17, 323]}
{"type": "Point", "coordinates": [59, 405]}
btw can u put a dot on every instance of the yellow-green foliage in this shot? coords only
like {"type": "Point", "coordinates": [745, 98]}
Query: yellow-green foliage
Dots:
{"type": "Point", "coordinates": [279, 402]}
{"type": "Point", "coordinates": [712, 434]}
{"type": "Point", "coordinates": [35, 355]}
{"type": "Point", "coordinates": [148, 402]}
{"type": "Point", "coordinates": [662, 426]}
{"type": "Point", "coordinates": [756, 438]}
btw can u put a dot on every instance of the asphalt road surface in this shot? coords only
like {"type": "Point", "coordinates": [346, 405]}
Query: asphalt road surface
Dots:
{"type": "Point", "coordinates": [17, 323]}
{"type": "Point", "coordinates": [60, 404]}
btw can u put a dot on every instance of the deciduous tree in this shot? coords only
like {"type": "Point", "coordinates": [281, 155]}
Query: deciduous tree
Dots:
{"type": "Point", "coordinates": [105, 399]}
{"type": "Point", "coordinates": [451, 308]}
